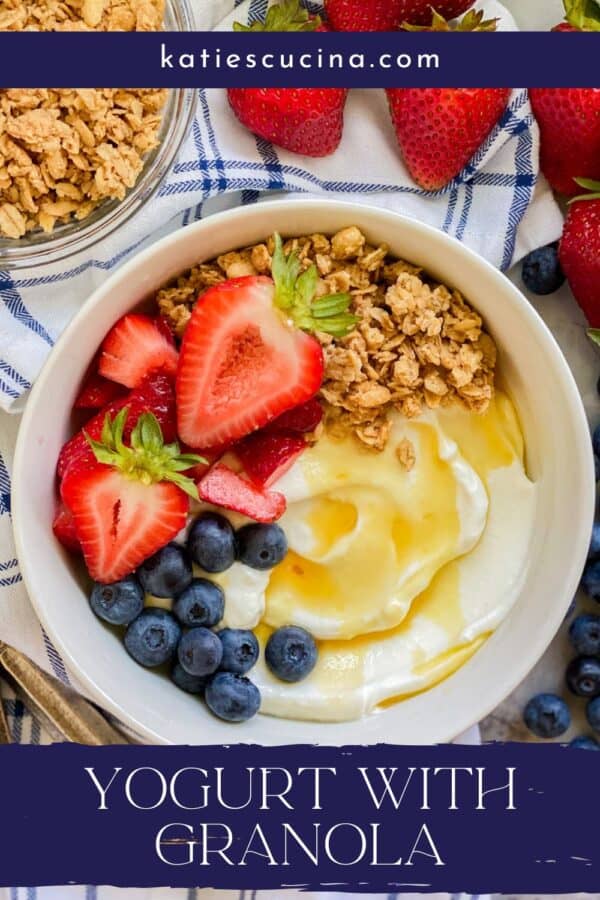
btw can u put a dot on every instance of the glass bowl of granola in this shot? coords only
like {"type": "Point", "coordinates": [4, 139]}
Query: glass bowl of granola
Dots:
{"type": "Point", "coordinates": [436, 510]}
{"type": "Point", "coordinates": [76, 164]}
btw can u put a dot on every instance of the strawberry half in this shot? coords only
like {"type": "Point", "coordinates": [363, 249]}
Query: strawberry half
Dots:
{"type": "Point", "coordinates": [135, 346]}
{"type": "Point", "coordinates": [221, 486]}
{"type": "Point", "coordinates": [127, 502]}
{"type": "Point", "coordinates": [155, 394]}
{"type": "Point", "coordinates": [63, 526]}
{"type": "Point", "coordinates": [97, 392]}
{"type": "Point", "coordinates": [246, 357]}
{"type": "Point", "coordinates": [266, 455]}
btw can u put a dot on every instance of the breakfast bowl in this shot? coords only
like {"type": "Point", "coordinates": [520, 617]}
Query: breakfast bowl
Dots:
{"type": "Point", "coordinates": [557, 462]}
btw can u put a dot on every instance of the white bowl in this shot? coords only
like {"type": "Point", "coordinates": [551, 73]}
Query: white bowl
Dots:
{"type": "Point", "coordinates": [558, 457]}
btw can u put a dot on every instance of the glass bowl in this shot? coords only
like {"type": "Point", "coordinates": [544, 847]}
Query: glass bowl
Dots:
{"type": "Point", "coordinates": [37, 248]}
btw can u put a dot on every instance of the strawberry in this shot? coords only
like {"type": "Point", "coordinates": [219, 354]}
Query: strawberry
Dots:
{"type": "Point", "coordinates": [127, 502]}
{"type": "Point", "coordinates": [579, 251]}
{"type": "Point", "coordinates": [266, 455]}
{"type": "Point", "coordinates": [439, 129]}
{"type": "Point", "coordinates": [304, 120]}
{"type": "Point", "coordinates": [154, 394]}
{"type": "Point", "coordinates": [246, 357]}
{"type": "Point", "coordinates": [569, 120]}
{"type": "Point", "coordinates": [97, 392]}
{"type": "Point", "coordinates": [63, 526]}
{"type": "Point", "coordinates": [580, 15]}
{"type": "Point", "coordinates": [221, 486]}
{"type": "Point", "coordinates": [301, 419]}
{"type": "Point", "coordinates": [134, 347]}
{"type": "Point", "coordinates": [387, 15]}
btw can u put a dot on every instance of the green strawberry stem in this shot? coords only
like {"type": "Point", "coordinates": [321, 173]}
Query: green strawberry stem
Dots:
{"type": "Point", "coordinates": [288, 15]}
{"type": "Point", "coordinates": [583, 14]}
{"type": "Point", "coordinates": [148, 459]}
{"type": "Point", "coordinates": [472, 21]}
{"type": "Point", "coordinates": [594, 335]}
{"type": "Point", "coordinates": [295, 295]}
{"type": "Point", "coordinates": [589, 185]}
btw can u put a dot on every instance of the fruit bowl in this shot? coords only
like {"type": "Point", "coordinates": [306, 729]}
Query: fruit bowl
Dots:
{"type": "Point", "coordinates": [559, 460]}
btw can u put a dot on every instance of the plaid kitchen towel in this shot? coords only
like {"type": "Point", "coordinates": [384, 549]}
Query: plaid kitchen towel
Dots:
{"type": "Point", "coordinates": [499, 205]}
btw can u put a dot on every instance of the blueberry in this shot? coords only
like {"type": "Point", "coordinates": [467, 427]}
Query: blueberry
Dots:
{"type": "Point", "coordinates": [585, 743]}
{"type": "Point", "coordinates": [240, 650]}
{"type": "Point", "coordinates": [152, 638]}
{"type": "Point", "coordinates": [201, 603]}
{"type": "Point", "coordinates": [261, 546]}
{"type": "Point", "coordinates": [594, 550]}
{"type": "Point", "coordinates": [211, 542]}
{"type": "Point", "coordinates": [192, 684]}
{"type": "Point", "coordinates": [167, 573]}
{"type": "Point", "coordinates": [541, 271]}
{"type": "Point", "coordinates": [593, 714]}
{"type": "Point", "coordinates": [596, 440]}
{"type": "Point", "coordinates": [590, 581]}
{"type": "Point", "coordinates": [200, 651]}
{"type": "Point", "coordinates": [584, 634]}
{"type": "Point", "coordinates": [291, 653]}
{"type": "Point", "coordinates": [232, 697]}
{"type": "Point", "coordinates": [118, 603]}
{"type": "Point", "coordinates": [547, 716]}
{"type": "Point", "coordinates": [583, 676]}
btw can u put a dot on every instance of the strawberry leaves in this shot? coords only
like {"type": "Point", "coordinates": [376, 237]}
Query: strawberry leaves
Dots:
{"type": "Point", "coordinates": [583, 14]}
{"type": "Point", "coordinates": [288, 15]}
{"type": "Point", "coordinates": [588, 184]}
{"type": "Point", "coordinates": [148, 459]}
{"type": "Point", "coordinates": [472, 21]}
{"type": "Point", "coordinates": [295, 295]}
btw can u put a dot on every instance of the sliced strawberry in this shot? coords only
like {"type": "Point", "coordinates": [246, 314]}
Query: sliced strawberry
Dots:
{"type": "Point", "coordinates": [97, 392]}
{"type": "Point", "coordinates": [135, 346]}
{"type": "Point", "coordinates": [120, 522]}
{"type": "Point", "coordinates": [127, 502]}
{"type": "Point", "coordinates": [301, 419]}
{"type": "Point", "coordinates": [221, 486]}
{"type": "Point", "coordinates": [63, 527]}
{"type": "Point", "coordinates": [246, 357]}
{"type": "Point", "coordinates": [154, 394]}
{"type": "Point", "coordinates": [266, 455]}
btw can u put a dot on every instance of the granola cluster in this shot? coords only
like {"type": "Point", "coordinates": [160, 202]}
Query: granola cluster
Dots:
{"type": "Point", "coordinates": [63, 152]}
{"type": "Point", "coordinates": [418, 344]}
{"type": "Point", "coordinates": [81, 15]}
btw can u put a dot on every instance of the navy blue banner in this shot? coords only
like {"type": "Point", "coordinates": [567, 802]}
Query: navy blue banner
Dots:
{"type": "Point", "coordinates": [511, 818]}
{"type": "Point", "coordinates": [225, 59]}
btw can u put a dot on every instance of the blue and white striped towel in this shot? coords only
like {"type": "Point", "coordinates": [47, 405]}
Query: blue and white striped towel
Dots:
{"type": "Point", "coordinates": [498, 205]}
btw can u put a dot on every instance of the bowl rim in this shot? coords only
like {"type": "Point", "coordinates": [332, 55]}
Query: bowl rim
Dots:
{"type": "Point", "coordinates": [581, 443]}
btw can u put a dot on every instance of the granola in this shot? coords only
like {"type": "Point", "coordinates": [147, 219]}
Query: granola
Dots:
{"type": "Point", "coordinates": [81, 15]}
{"type": "Point", "coordinates": [65, 151]}
{"type": "Point", "coordinates": [417, 344]}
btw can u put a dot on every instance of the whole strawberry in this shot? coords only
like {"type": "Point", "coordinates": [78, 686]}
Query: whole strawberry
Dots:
{"type": "Point", "coordinates": [387, 15]}
{"type": "Point", "coordinates": [439, 129]}
{"type": "Point", "coordinates": [569, 118]}
{"type": "Point", "coordinates": [304, 120]}
{"type": "Point", "coordinates": [579, 250]}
